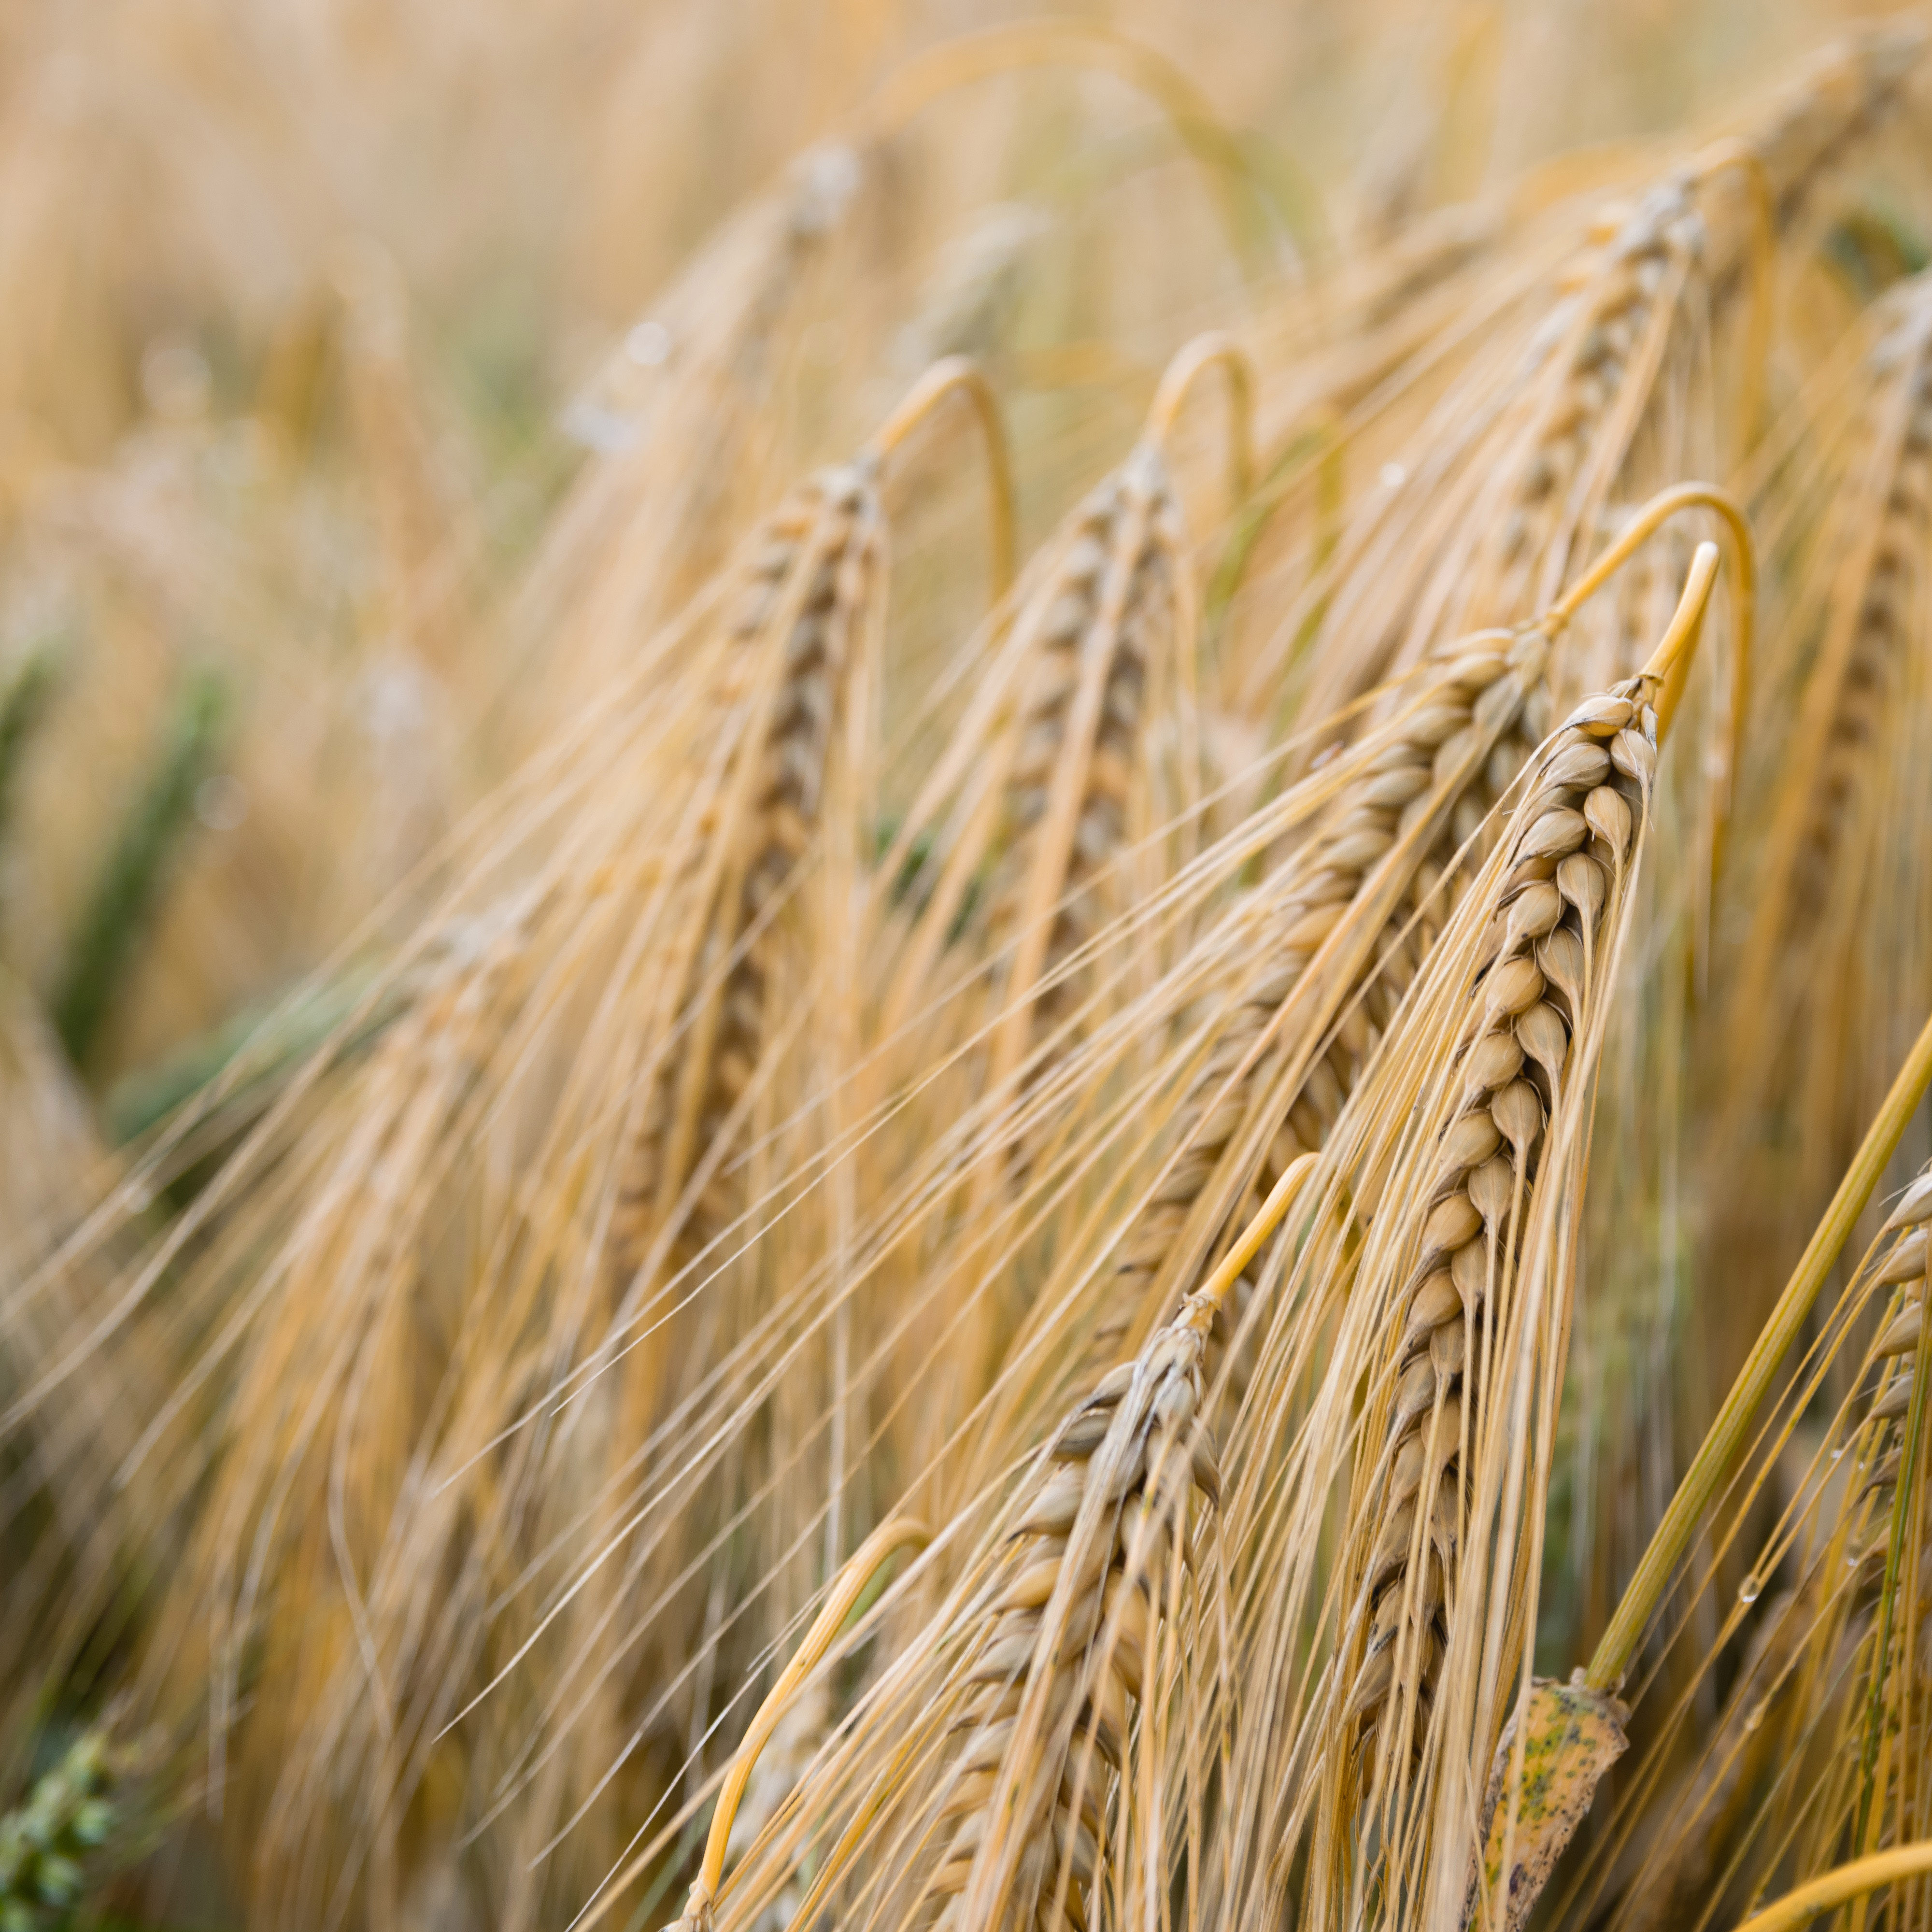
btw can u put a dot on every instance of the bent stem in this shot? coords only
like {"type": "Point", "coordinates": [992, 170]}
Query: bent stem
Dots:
{"type": "Point", "coordinates": [1670, 662]}
{"type": "Point", "coordinates": [1212, 351]}
{"type": "Point", "coordinates": [1661, 507]}
{"type": "Point", "coordinates": [1838, 1887]}
{"type": "Point", "coordinates": [1268, 1218]}
{"type": "Point", "coordinates": [1665, 505]}
{"type": "Point", "coordinates": [960, 376]}
{"type": "Point", "coordinates": [1910, 1464]}
{"type": "Point", "coordinates": [1648, 521]}
{"type": "Point", "coordinates": [885, 1541]}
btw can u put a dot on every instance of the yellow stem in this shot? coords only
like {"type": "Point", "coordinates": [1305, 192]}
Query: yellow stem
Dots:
{"type": "Point", "coordinates": [1658, 511]}
{"type": "Point", "coordinates": [851, 1584]}
{"type": "Point", "coordinates": [1214, 350]}
{"type": "Point", "coordinates": [1708, 1469]}
{"type": "Point", "coordinates": [1671, 660]}
{"type": "Point", "coordinates": [960, 375]}
{"type": "Point", "coordinates": [1835, 1888]}
{"type": "Point", "coordinates": [1268, 1218]}
{"type": "Point", "coordinates": [1665, 505]}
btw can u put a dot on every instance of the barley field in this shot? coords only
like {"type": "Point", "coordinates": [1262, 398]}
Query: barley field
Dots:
{"type": "Point", "coordinates": [965, 970]}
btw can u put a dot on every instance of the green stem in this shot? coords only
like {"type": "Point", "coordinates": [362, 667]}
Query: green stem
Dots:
{"type": "Point", "coordinates": [22, 705]}
{"type": "Point", "coordinates": [130, 886]}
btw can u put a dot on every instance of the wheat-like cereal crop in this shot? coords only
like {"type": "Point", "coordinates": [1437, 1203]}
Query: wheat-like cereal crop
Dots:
{"type": "Point", "coordinates": [922, 945]}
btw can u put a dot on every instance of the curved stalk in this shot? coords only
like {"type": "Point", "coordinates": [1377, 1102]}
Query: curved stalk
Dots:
{"type": "Point", "coordinates": [1836, 1888]}
{"type": "Point", "coordinates": [1214, 350]}
{"type": "Point", "coordinates": [960, 375]}
{"type": "Point", "coordinates": [860, 1567]}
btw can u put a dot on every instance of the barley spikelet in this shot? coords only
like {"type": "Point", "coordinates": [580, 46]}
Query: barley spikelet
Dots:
{"type": "Point", "coordinates": [425, 553]}
{"type": "Point", "coordinates": [1110, 626]}
{"type": "Point", "coordinates": [1047, 818]}
{"type": "Point", "coordinates": [797, 615]}
{"type": "Point", "coordinates": [1358, 1323]}
{"type": "Point", "coordinates": [1818, 122]}
{"type": "Point", "coordinates": [1591, 388]}
{"type": "Point", "coordinates": [1051, 770]}
{"type": "Point", "coordinates": [1864, 1611]}
{"type": "Point", "coordinates": [1525, 454]}
{"type": "Point", "coordinates": [1418, 789]}
{"type": "Point", "coordinates": [1073, 1648]}
{"type": "Point", "coordinates": [1567, 862]}
{"type": "Point", "coordinates": [1889, 1541]}
{"type": "Point", "coordinates": [704, 1141]}
{"type": "Point", "coordinates": [809, 580]}
{"type": "Point", "coordinates": [794, 617]}
{"type": "Point", "coordinates": [675, 415]}
{"type": "Point", "coordinates": [1031, 1719]}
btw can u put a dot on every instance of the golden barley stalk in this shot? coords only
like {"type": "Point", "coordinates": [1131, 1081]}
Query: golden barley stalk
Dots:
{"type": "Point", "coordinates": [1055, 810]}
{"type": "Point", "coordinates": [1051, 754]}
{"type": "Point", "coordinates": [1519, 467]}
{"type": "Point", "coordinates": [1345, 924]}
{"type": "Point", "coordinates": [1470, 540]}
{"type": "Point", "coordinates": [1126, 649]}
{"type": "Point", "coordinates": [1886, 1539]}
{"type": "Point", "coordinates": [812, 570]}
{"type": "Point", "coordinates": [1796, 1669]}
{"type": "Point", "coordinates": [805, 625]}
{"type": "Point", "coordinates": [1059, 1642]}
{"type": "Point", "coordinates": [1519, 1092]}
{"type": "Point", "coordinates": [1095, 1585]}
{"type": "Point", "coordinates": [675, 415]}
{"type": "Point", "coordinates": [1517, 1312]}
{"type": "Point", "coordinates": [854, 1578]}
